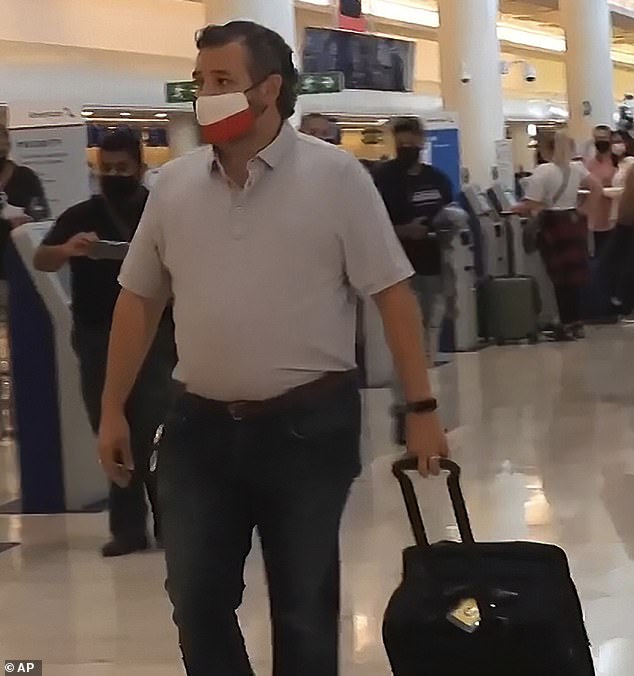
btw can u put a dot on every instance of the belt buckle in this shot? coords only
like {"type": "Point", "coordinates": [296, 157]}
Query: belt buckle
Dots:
{"type": "Point", "coordinates": [235, 408]}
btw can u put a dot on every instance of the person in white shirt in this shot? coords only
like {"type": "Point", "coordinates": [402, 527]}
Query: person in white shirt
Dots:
{"type": "Point", "coordinates": [552, 194]}
{"type": "Point", "coordinates": [617, 263]}
{"type": "Point", "coordinates": [263, 240]}
{"type": "Point", "coordinates": [623, 151]}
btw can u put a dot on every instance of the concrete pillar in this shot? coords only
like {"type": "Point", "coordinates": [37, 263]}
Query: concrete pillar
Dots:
{"type": "Point", "coordinates": [279, 15]}
{"type": "Point", "coordinates": [589, 69]}
{"type": "Point", "coordinates": [522, 155]}
{"type": "Point", "coordinates": [184, 134]}
{"type": "Point", "coordinates": [470, 80]}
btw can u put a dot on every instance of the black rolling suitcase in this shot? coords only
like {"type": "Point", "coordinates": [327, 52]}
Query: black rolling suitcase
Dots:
{"type": "Point", "coordinates": [491, 609]}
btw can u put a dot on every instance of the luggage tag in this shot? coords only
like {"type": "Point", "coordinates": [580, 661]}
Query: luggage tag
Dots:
{"type": "Point", "coordinates": [466, 616]}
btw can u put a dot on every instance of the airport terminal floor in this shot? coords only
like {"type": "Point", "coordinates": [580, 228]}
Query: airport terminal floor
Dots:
{"type": "Point", "coordinates": [545, 437]}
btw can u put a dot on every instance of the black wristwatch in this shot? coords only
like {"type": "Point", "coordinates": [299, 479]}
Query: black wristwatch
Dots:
{"type": "Point", "coordinates": [424, 406]}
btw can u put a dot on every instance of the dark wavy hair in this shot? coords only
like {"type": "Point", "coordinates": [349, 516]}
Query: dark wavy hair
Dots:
{"type": "Point", "coordinates": [268, 55]}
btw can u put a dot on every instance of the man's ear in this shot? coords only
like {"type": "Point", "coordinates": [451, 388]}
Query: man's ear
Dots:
{"type": "Point", "coordinates": [273, 87]}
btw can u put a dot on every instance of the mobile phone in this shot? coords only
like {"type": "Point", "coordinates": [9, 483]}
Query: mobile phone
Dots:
{"type": "Point", "coordinates": [104, 249]}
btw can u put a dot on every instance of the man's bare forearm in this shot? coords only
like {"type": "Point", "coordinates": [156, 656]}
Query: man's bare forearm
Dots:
{"type": "Point", "coordinates": [50, 258]}
{"type": "Point", "coordinates": [134, 327]}
{"type": "Point", "coordinates": [403, 326]}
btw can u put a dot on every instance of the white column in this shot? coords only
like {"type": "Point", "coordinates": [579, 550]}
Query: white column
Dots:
{"type": "Point", "coordinates": [279, 15]}
{"type": "Point", "coordinates": [523, 156]}
{"type": "Point", "coordinates": [589, 69]}
{"type": "Point", "coordinates": [184, 134]}
{"type": "Point", "coordinates": [471, 81]}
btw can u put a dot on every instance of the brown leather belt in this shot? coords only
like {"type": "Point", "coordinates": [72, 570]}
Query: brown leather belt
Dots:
{"type": "Point", "coordinates": [304, 395]}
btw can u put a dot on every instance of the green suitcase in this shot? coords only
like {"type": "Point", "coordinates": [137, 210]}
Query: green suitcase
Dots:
{"type": "Point", "coordinates": [509, 309]}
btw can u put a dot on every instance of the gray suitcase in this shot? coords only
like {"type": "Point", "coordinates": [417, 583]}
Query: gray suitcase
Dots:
{"type": "Point", "coordinates": [509, 309]}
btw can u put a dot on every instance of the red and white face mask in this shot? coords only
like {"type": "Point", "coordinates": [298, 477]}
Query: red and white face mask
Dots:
{"type": "Point", "coordinates": [224, 117]}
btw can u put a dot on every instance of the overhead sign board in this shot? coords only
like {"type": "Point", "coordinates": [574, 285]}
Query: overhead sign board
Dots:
{"type": "Point", "coordinates": [183, 91]}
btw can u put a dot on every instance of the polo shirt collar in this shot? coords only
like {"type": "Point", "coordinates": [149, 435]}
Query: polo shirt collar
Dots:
{"type": "Point", "coordinates": [273, 154]}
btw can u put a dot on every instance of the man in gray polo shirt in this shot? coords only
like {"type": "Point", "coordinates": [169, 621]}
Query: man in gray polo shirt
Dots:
{"type": "Point", "coordinates": [262, 240]}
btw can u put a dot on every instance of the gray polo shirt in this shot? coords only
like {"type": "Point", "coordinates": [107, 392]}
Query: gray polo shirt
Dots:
{"type": "Point", "coordinates": [264, 278]}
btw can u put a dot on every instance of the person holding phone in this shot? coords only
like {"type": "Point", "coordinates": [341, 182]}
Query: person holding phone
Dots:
{"type": "Point", "coordinates": [83, 236]}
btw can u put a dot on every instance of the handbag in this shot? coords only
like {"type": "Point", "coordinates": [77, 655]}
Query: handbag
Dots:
{"type": "Point", "coordinates": [533, 227]}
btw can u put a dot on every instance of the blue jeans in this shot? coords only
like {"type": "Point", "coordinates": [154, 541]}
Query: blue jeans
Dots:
{"type": "Point", "coordinates": [287, 475]}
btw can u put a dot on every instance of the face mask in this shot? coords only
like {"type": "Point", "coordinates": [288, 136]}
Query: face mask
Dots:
{"type": "Point", "coordinates": [226, 117]}
{"type": "Point", "coordinates": [602, 146]}
{"type": "Point", "coordinates": [408, 156]}
{"type": "Point", "coordinates": [618, 149]}
{"type": "Point", "coordinates": [119, 188]}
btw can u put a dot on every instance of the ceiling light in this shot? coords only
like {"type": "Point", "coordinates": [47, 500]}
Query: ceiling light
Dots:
{"type": "Point", "coordinates": [87, 113]}
{"type": "Point", "coordinates": [125, 114]}
{"type": "Point", "coordinates": [161, 115]}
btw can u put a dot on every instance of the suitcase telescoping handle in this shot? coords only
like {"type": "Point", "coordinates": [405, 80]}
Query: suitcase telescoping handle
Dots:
{"type": "Point", "coordinates": [400, 469]}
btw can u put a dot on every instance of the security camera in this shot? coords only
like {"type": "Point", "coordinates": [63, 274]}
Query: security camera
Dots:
{"type": "Point", "coordinates": [530, 72]}
{"type": "Point", "coordinates": [465, 75]}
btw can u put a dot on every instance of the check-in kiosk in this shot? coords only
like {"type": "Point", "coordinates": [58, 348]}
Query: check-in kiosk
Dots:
{"type": "Point", "coordinates": [461, 331]}
{"type": "Point", "coordinates": [488, 233]}
{"type": "Point", "coordinates": [57, 449]}
{"type": "Point", "coordinates": [503, 202]}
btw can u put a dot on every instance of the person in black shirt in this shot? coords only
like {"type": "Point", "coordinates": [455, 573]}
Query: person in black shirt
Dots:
{"type": "Point", "coordinates": [23, 189]}
{"type": "Point", "coordinates": [113, 216]}
{"type": "Point", "coordinates": [414, 194]}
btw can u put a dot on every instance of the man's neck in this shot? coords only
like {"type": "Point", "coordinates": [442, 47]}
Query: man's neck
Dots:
{"type": "Point", "coordinates": [235, 157]}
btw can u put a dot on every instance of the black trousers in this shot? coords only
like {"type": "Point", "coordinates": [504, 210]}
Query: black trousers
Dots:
{"type": "Point", "coordinates": [288, 476]}
{"type": "Point", "coordinates": [569, 303]}
{"type": "Point", "coordinates": [146, 411]}
{"type": "Point", "coordinates": [601, 240]}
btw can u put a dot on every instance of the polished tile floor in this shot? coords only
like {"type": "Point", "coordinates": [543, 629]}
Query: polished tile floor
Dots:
{"type": "Point", "coordinates": [546, 438]}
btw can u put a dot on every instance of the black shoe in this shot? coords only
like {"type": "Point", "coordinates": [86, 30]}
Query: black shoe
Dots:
{"type": "Point", "coordinates": [579, 331]}
{"type": "Point", "coordinates": [564, 334]}
{"type": "Point", "coordinates": [124, 547]}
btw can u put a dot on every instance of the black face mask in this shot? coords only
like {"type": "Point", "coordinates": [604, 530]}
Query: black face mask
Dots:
{"type": "Point", "coordinates": [408, 156]}
{"type": "Point", "coordinates": [602, 146]}
{"type": "Point", "coordinates": [119, 188]}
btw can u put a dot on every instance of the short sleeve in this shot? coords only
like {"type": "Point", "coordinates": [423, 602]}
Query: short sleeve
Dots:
{"type": "Point", "coordinates": [374, 258]}
{"type": "Point", "coordinates": [66, 226]}
{"type": "Point", "coordinates": [537, 184]}
{"type": "Point", "coordinates": [583, 170]}
{"type": "Point", "coordinates": [143, 271]}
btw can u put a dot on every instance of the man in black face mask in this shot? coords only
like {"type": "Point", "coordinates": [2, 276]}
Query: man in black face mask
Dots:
{"type": "Point", "coordinates": [114, 216]}
{"type": "Point", "coordinates": [414, 193]}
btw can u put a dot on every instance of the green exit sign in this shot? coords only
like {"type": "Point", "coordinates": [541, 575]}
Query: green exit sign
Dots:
{"type": "Point", "coordinates": [321, 83]}
{"type": "Point", "coordinates": [180, 92]}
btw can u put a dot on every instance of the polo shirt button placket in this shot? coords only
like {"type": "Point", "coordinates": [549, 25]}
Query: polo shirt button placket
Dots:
{"type": "Point", "coordinates": [237, 222]}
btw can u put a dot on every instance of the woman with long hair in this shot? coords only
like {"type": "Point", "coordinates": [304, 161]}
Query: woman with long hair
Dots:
{"type": "Point", "coordinates": [551, 195]}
